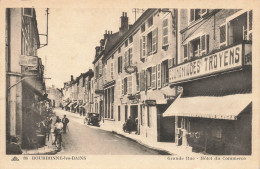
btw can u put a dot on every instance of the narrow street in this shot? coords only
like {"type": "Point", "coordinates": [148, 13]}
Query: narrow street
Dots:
{"type": "Point", "coordinates": [84, 139]}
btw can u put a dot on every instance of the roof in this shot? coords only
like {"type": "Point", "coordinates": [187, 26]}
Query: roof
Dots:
{"type": "Point", "coordinates": [226, 107]}
{"type": "Point", "coordinates": [131, 30]}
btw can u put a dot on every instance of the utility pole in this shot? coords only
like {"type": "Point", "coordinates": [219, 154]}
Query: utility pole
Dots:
{"type": "Point", "coordinates": [137, 10]}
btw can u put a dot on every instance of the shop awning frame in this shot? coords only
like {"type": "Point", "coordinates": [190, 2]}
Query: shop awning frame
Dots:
{"type": "Point", "coordinates": [224, 107]}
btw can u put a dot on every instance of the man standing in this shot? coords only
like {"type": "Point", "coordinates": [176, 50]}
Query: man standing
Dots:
{"type": "Point", "coordinates": [65, 122]}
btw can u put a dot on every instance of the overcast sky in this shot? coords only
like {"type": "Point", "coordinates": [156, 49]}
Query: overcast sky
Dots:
{"type": "Point", "coordinates": [73, 36]}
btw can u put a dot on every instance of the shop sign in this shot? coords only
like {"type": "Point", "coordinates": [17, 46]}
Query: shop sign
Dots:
{"type": "Point", "coordinates": [224, 60]}
{"type": "Point", "coordinates": [29, 61]}
{"type": "Point", "coordinates": [130, 69]}
{"type": "Point", "coordinates": [150, 102]}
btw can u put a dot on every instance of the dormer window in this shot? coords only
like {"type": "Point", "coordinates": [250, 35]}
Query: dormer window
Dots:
{"type": "Point", "coordinates": [126, 43]}
{"type": "Point", "coordinates": [150, 21]}
{"type": "Point", "coordinates": [130, 39]}
{"type": "Point", "coordinates": [142, 28]}
{"type": "Point", "coordinates": [196, 14]}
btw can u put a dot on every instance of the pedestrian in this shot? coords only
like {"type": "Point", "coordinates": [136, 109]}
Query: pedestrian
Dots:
{"type": "Point", "coordinates": [12, 146]}
{"type": "Point", "coordinates": [58, 130]}
{"type": "Point", "coordinates": [65, 122]}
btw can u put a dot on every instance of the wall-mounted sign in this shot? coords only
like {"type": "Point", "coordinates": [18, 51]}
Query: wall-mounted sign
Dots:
{"type": "Point", "coordinates": [150, 102]}
{"type": "Point", "coordinates": [28, 61]}
{"type": "Point", "coordinates": [224, 60]}
{"type": "Point", "coordinates": [130, 69]}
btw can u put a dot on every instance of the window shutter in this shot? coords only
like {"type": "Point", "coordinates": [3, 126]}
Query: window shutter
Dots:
{"type": "Point", "coordinates": [250, 25]}
{"type": "Point", "coordinates": [129, 84]}
{"type": "Point", "coordinates": [154, 77]}
{"type": "Point", "coordinates": [154, 40]}
{"type": "Point", "coordinates": [192, 17]}
{"type": "Point", "coordinates": [138, 82]}
{"type": "Point", "coordinates": [125, 59]}
{"type": "Point", "coordinates": [141, 50]}
{"type": "Point", "coordinates": [202, 45]}
{"type": "Point", "coordinates": [122, 87]}
{"type": "Point", "coordinates": [130, 56]}
{"type": "Point", "coordinates": [112, 70]}
{"type": "Point", "coordinates": [142, 80]}
{"type": "Point", "coordinates": [170, 63]}
{"type": "Point", "coordinates": [144, 46]}
{"type": "Point", "coordinates": [185, 51]}
{"type": "Point", "coordinates": [165, 32]}
{"type": "Point", "coordinates": [207, 44]}
{"type": "Point", "coordinates": [159, 84]}
{"type": "Point", "coordinates": [100, 67]}
{"type": "Point", "coordinates": [118, 65]}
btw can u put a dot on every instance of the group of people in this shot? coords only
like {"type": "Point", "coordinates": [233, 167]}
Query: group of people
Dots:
{"type": "Point", "coordinates": [60, 126]}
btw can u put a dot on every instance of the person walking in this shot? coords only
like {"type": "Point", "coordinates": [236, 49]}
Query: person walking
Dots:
{"type": "Point", "coordinates": [58, 130]}
{"type": "Point", "coordinates": [65, 122]}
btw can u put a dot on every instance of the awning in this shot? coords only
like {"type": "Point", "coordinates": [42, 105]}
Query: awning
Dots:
{"type": "Point", "coordinates": [225, 107]}
{"type": "Point", "coordinates": [72, 103]}
{"type": "Point", "coordinates": [66, 104]}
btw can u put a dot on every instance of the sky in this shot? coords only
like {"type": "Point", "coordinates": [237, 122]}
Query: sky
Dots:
{"type": "Point", "coordinates": [73, 36]}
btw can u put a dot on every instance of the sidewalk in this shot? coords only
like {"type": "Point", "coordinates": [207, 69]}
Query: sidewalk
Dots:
{"type": "Point", "coordinates": [163, 147]}
{"type": "Point", "coordinates": [48, 149]}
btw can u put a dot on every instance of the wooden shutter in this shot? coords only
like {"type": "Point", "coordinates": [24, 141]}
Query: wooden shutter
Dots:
{"type": "Point", "coordinates": [154, 40]}
{"type": "Point", "coordinates": [165, 32]}
{"type": "Point", "coordinates": [122, 87]}
{"type": "Point", "coordinates": [129, 84]}
{"type": "Point", "coordinates": [142, 80]}
{"type": "Point", "coordinates": [126, 59]}
{"type": "Point", "coordinates": [159, 80]}
{"type": "Point", "coordinates": [144, 46]}
{"type": "Point", "coordinates": [154, 77]}
{"type": "Point", "coordinates": [112, 70]}
{"type": "Point", "coordinates": [118, 65]}
{"type": "Point", "coordinates": [130, 56]}
{"type": "Point", "coordinates": [192, 16]}
{"type": "Point", "coordinates": [170, 63]}
{"type": "Point", "coordinates": [202, 45]}
{"type": "Point", "coordinates": [138, 82]}
{"type": "Point", "coordinates": [100, 67]}
{"type": "Point", "coordinates": [207, 44]}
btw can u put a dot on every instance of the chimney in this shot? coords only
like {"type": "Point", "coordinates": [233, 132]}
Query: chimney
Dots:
{"type": "Point", "coordinates": [71, 78]}
{"type": "Point", "coordinates": [97, 50]}
{"type": "Point", "coordinates": [124, 23]}
{"type": "Point", "coordinates": [106, 35]}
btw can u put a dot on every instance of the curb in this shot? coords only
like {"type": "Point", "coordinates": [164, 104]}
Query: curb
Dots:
{"type": "Point", "coordinates": [161, 151]}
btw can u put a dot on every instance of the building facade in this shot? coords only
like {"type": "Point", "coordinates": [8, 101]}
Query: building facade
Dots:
{"type": "Point", "coordinates": [55, 95]}
{"type": "Point", "coordinates": [25, 86]}
{"type": "Point", "coordinates": [214, 112]}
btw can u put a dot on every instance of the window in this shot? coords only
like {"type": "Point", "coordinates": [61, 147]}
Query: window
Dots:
{"type": "Point", "coordinates": [100, 67]}
{"type": "Point", "coordinates": [130, 39]}
{"type": "Point", "coordinates": [155, 40]}
{"type": "Point", "coordinates": [112, 102]}
{"type": "Point", "coordinates": [217, 132]}
{"type": "Point", "coordinates": [126, 43]}
{"type": "Point", "coordinates": [150, 22]}
{"type": "Point", "coordinates": [118, 113]}
{"type": "Point", "coordinates": [148, 77]}
{"type": "Point", "coordinates": [125, 86]}
{"type": "Point", "coordinates": [126, 110]}
{"type": "Point", "coordinates": [96, 73]}
{"type": "Point", "coordinates": [196, 47]}
{"type": "Point", "coordinates": [126, 63]}
{"type": "Point", "coordinates": [28, 12]}
{"type": "Point", "coordinates": [165, 73]}
{"type": "Point", "coordinates": [119, 50]}
{"type": "Point", "coordinates": [165, 32]}
{"type": "Point", "coordinates": [238, 29]}
{"type": "Point", "coordinates": [119, 64]}
{"type": "Point", "coordinates": [142, 28]}
{"type": "Point", "coordinates": [149, 43]}
{"type": "Point", "coordinates": [196, 14]}
{"type": "Point", "coordinates": [122, 87]}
